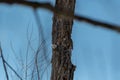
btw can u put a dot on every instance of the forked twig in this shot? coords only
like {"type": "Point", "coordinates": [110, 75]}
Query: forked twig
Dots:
{"type": "Point", "coordinates": [6, 63]}
{"type": "Point", "coordinates": [3, 61]}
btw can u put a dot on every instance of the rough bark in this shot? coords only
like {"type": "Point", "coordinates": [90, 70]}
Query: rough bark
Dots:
{"type": "Point", "coordinates": [62, 67]}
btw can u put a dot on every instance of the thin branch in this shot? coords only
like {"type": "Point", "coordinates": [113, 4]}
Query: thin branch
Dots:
{"type": "Point", "coordinates": [38, 73]}
{"type": "Point", "coordinates": [100, 24]}
{"type": "Point", "coordinates": [14, 53]}
{"type": "Point", "coordinates": [13, 70]}
{"type": "Point", "coordinates": [32, 74]}
{"type": "Point", "coordinates": [50, 7]}
{"type": "Point", "coordinates": [41, 33]}
{"type": "Point", "coordinates": [3, 60]}
{"type": "Point", "coordinates": [36, 59]}
{"type": "Point", "coordinates": [45, 69]}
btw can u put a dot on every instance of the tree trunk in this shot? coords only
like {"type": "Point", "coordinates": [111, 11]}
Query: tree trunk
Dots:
{"type": "Point", "coordinates": [62, 67]}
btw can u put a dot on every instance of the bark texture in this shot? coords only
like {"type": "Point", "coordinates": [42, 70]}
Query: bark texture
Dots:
{"type": "Point", "coordinates": [62, 67]}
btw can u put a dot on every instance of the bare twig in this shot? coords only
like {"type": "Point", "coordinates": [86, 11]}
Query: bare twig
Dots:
{"type": "Point", "coordinates": [49, 7]}
{"type": "Point", "coordinates": [32, 75]}
{"type": "Point", "coordinates": [36, 59]}
{"type": "Point", "coordinates": [38, 73]}
{"type": "Point", "coordinates": [4, 66]}
{"type": "Point", "coordinates": [43, 44]}
{"type": "Point", "coordinates": [13, 70]}
{"type": "Point", "coordinates": [41, 33]}
{"type": "Point", "coordinates": [5, 62]}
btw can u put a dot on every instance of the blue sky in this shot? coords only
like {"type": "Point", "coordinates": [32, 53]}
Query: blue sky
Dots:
{"type": "Point", "coordinates": [96, 50]}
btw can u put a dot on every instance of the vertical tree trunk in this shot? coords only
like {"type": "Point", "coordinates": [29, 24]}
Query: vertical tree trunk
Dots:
{"type": "Point", "coordinates": [62, 67]}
